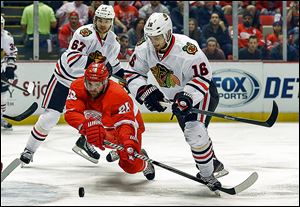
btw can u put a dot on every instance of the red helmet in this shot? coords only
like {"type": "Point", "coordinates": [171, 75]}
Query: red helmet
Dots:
{"type": "Point", "coordinates": [96, 78]}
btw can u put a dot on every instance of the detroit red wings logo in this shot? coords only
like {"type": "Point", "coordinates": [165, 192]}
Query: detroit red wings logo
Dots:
{"type": "Point", "coordinates": [92, 114]}
{"type": "Point", "coordinates": [190, 48]}
{"type": "Point", "coordinates": [85, 32]}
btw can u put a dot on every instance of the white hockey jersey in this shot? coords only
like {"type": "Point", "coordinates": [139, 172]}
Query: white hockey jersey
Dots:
{"type": "Point", "coordinates": [183, 67]}
{"type": "Point", "coordinates": [86, 42]}
{"type": "Point", "coordinates": [8, 48]}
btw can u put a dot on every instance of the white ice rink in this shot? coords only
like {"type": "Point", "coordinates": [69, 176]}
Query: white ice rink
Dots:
{"type": "Point", "coordinates": [57, 172]}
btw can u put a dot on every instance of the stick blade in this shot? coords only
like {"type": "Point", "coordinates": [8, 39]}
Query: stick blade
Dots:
{"type": "Point", "coordinates": [25, 114]}
{"type": "Point", "coordinates": [273, 117]}
{"type": "Point", "coordinates": [11, 167]}
{"type": "Point", "coordinates": [247, 183]}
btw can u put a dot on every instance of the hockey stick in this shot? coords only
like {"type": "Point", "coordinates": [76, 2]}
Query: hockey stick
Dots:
{"type": "Point", "coordinates": [11, 167]}
{"type": "Point", "coordinates": [25, 114]}
{"type": "Point", "coordinates": [232, 190]}
{"type": "Point", "coordinates": [28, 90]}
{"type": "Point", "coordinates": [268, 123]}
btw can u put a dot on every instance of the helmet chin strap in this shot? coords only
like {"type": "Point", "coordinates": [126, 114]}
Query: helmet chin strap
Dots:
{"type": "Point", "coordinates": [167, 43]}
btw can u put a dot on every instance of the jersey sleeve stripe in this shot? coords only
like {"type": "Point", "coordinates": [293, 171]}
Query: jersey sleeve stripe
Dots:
{"type": "Point", "coordinates": [71, 53]}
{"type": "Point", "coordinates": [72, 58]}
{"type": "Point", "coordinates": [196, 87]}
{"type": "Point", "coordinates": [116, 64]}
{"type": "Point", "coordinates": [204, 86]}
{"type": "Point", "coordinates": [75, 61]}
{"type": "Point", "coordinates": [64, 70]}
{"type": "Point", "coordinates": [133, 78]}
{"type": "Point", "coordinates": [57, 68]}
{"type": "Point", "coordinates": [61, 76]}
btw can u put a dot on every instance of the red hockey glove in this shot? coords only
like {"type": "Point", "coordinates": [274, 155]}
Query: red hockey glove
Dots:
{"type": "Point", "coordinates": [94, 132]}
{"type": "Point", "coordinates": [130, 146]}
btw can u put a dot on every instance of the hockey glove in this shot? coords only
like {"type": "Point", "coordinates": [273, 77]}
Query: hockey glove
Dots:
{"type": "Point", "coordinates": [130, 146]}
{"type": "Point", "coordinates": [183, 103]}
{"type": "Point", "coordinates": [10, 70]}
{"type": "Point", "coordinates": [94, 132]}
{"type": "Point", "coordinates": [150, 95]}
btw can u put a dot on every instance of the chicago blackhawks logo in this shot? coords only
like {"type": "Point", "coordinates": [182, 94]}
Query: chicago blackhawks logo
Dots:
{"type": "Point", "coordinates": [97, 56]}
{"type": "Point", "coordinates": [85, 32]}
{"type": "Point", "coordinates": [190, 48]}
{"type": "Point", "coordinates": [164, 76]}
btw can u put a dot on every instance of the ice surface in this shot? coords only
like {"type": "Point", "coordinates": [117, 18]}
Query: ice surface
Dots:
{"type": "Point", "coordinates": [57, 172]}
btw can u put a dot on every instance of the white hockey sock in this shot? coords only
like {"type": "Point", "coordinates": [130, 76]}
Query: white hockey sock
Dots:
{"type": "Point", "coordinates": [203, 157]}
{"type": "Point", "coordinates": [36, 138]}
{"type": "Point", "coordinates": [4, 96]}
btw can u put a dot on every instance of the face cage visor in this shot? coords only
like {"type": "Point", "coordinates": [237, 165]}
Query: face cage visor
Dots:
{"type": "Point", "coordinates": [93, 86]}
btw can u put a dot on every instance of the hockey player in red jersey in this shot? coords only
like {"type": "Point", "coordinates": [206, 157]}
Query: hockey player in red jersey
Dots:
{"type": "Point", "coordinates": [184, 75]}
{"type": "Point", "coordinates": [90, 43]}
{"type": "Point", "coordinates": [101, 109]}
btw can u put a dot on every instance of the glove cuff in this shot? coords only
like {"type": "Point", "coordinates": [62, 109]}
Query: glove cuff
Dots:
{"type": "Point", "coordinates": [144, 91]}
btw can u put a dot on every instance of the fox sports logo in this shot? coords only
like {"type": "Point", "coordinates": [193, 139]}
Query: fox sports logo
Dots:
{"type": "Point", "coordinates": [235, 87]}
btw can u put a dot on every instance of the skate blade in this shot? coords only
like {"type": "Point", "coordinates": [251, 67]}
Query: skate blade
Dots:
{"type": "Point", "coordinates": [221, 173]}
{"type": "Point", "coordinates": [83, 154]}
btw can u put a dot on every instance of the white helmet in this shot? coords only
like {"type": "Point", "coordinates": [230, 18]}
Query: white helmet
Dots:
{"type": "Point", "coordinates": [105, 11]}
{"type": "Point", "coordinates": [157, 24]}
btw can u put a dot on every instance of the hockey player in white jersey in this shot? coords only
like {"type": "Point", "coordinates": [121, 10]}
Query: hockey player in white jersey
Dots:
{"type": "Point", "coordinates": [90, 43]}
{"type": "Point", "coordinates": [8, 67]}
{"type": "Point", "coordinates": [184, 75]}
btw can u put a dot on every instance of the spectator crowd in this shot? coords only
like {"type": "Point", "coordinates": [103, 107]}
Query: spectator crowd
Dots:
{"type": "Point", "coordinates": [210, 24]}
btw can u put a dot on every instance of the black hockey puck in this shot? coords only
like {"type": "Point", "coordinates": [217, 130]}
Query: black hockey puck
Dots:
{"type": "Point", "coordinates": [81, 192]}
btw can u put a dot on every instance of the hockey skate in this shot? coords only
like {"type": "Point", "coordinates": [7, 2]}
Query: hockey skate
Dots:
{"type": "Point", "coordinates": [5, 125]}
{"type": "Point", "coordinates": [86, 150]}
{"type": "Point", "coordinates": [149, 171]}
{"type": "Point", "coordinates": [112, 156]}
{"type": "Point", "coordinates": [26, 156]}
{"type": "Point", "coordinates": [219, 170]}
{"type": "Point", "coordinates": [211, 182]}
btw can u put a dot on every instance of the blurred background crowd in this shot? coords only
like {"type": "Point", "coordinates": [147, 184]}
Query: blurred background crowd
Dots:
{"type": "Point", "coordinates": [260, 33]}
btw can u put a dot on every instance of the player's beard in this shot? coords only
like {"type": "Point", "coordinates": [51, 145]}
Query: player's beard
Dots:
{"type": "Point", "coordinates": [101, 32]}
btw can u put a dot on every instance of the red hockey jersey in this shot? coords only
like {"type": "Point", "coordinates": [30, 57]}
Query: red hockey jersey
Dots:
{"type": "Point", "coordinates": [114, 108]}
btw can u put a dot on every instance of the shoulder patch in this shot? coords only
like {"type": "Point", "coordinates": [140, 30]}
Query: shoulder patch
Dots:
{"type": "Point", "coordinates": [190, 48]}
{"type": "Point", "coordinates": [85, 32]}
{"type": "Point", "coordinates": [141, 41]}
